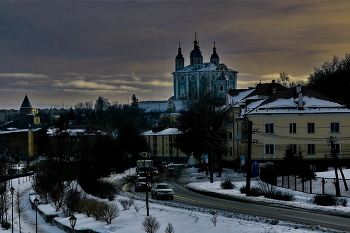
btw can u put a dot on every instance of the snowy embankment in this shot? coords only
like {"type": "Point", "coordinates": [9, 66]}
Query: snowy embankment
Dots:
{"type": "Point", "coordinates": [183, 218]}
{"type": "Point", "coordinates": [302, 200]}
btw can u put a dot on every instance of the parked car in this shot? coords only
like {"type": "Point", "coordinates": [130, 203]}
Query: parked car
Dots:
{"type": "Point", "coordinates": [162, 190]}
{"type": "Point", "coordinates": [155, 171]}
{"type": "Point", "coordinates": [171, 172]}
{"type": "Point", "coordinates": [142, 184]}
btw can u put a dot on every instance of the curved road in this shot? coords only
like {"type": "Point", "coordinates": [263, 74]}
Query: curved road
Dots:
{"type": "Point", "coordinates": [190, 198]}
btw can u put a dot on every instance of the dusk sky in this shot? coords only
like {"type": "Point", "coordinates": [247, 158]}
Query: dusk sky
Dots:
{"type": "Point", "coordinates": [64, 52]}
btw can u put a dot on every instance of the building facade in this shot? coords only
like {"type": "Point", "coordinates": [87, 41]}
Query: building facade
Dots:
{"type": "Point", "coordinates": [162, 145]}
{"type": "Point", "coordinates": [238, 102]}
{"type": "Point", "coordinates": [202, 77]}
{"type": "Point", "coordinates": [299, 119]}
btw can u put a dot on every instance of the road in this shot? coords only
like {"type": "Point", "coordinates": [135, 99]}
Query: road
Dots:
{"type": "Point", "coordinates": [190, 198]}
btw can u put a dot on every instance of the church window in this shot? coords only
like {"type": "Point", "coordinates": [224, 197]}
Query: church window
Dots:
{"type": "Point", "coordinates": [182, 79]}
{"type": "Point", "coordinates": [213, 77]}
{"type": "Point", "coordinates": [193, 78]}
{"type": "Point", "coordinates": [221, 88]}
{"type": "Point", "coordinates": [203, 77]}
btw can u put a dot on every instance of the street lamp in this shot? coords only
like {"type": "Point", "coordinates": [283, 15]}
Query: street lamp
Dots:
{"type": "Point", "coordinates": [247, 136]}
{"type": "Point", "coordinates": [36, 203]}
{"type": "Point", "coordinates": [73, 221]}
{"type": "Point", "coordinates": [12, 190]}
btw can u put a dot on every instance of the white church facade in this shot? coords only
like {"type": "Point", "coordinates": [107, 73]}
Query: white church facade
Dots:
{"type": "Point", "coordinates": [202, 77]}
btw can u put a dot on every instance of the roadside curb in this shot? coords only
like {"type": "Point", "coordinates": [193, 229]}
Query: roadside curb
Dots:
{"type": "Point", "coordinates": [269, 202]}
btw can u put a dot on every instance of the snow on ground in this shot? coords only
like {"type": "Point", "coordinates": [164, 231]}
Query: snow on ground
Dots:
{"type": "Point", "coordinates": [183, 220]}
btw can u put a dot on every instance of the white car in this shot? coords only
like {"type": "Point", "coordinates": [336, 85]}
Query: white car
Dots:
{"type": "Point", "coordinates": [162, 190]}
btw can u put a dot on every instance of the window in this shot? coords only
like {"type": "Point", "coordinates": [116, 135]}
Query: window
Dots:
{"type": "Point", "coordinates": [310, 127]}
{"type": "Point", "coordinates": [293, 148]}
{"type": "Point", "coordinates": [269, 149]}
{"type": "Point", "coordinates": [230, 152]}
{"type": "Point", "coordinates": [311, 149]}
{"type": "Point", "coordinates": [193, 78]}
{"type": "Point", "coordinates": [221, 88]}
{"type": "Point", "coordinates": [269, 128]}
{"type": "Point", "coordinates": [335, 127]}
{"type": "Point", "coordinates": [182, 79]}
{"type": "Point", "coordinates": [292, 127]}
{"type": "Point", "coordinates": [230, 135]}
{"type": "Point", "coordinates": [312, 167]}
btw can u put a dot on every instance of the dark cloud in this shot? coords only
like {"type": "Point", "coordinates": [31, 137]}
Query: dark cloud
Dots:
{"type": "Point", "coordinates": [73, 51]}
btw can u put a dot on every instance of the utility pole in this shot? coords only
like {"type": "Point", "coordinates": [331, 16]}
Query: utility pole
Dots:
{"type": "Point", "coordinates": [249, 157]}
{"type": "Point", "coordinates": [334, 155]}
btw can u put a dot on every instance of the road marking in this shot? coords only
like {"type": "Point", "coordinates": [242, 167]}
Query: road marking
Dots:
{"type": "Point", "coordinates": [215, 204]}
{"type": "Point", "coordinates": [321, 223]}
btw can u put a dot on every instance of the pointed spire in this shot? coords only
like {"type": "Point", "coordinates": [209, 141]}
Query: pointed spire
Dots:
{"type": "Point", "coordinates": [179, 53]}
{"type": "Point", "coordinates": [26, 103]}
{"type": "Point", "coordinates": [214, 57]}
{"type": "Point", "coordinates": [196, 42]}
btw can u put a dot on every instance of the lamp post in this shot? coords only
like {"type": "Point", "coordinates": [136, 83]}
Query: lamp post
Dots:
{"type": "Point", "coordinates": [144, 155]}
{"type": "Point", "coordinates": [36, 203]}
{"type": "Point", "coordinates": [248, 136]}
{"type": "Point", "coordinates": [73, 221]}
{"type": "Point", "coordinates": [12, 190]}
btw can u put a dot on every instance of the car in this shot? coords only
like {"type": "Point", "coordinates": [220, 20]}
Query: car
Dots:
{"type": "Point", "coordinates": [171, 172]}
{"type": "Point", "coordinates": [142, 184]}
{"type": "Point", "coordinates": [155, 171]}
{"type": "Point", "coordinates": [165, 164]}
{"type": "Point", "coordinates": [162, 190]}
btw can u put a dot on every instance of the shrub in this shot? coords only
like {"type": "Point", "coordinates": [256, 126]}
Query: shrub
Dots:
{"type": "Point", "coordinates": [342, 201]}
{"type": "Point", "coordinates": [243, 189]}
{"type": "Point", "coordinates": [99, 210]}
{"type": "Point", "coordinates": [227, 184]}
{"type": "Point", "coordinates": [169, 228]}
{"type": "Point", "coordinates": [214, 219]}
{"type": "Point", "coordinates": [110, 212]}
{"type": "Point", "coordinates": [126, 204]}
{"type": "Point", "coordinates": [5, 225]}
{"type": "Point", "coordinates": [88, 205]}
{"type": "Point", "coordinates": [137, 207]}
{"type": "Point", "coordinates": [98, 188]}
{"type": "Point", "coordinates": [150, 224]}
{"type": "Point", "coordinates": [254, 191]}
{"type": "Point", "coordinates": [283, 196]}
{"type": "Point", "coordinates": [324, 200]}
{"type": "Point", "coordinates": [72, 200]}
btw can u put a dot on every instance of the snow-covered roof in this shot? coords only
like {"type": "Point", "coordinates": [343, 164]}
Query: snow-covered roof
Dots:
{"type": "Point", "coordinates": [288, 102]}
{"type": "Point", "coordinates": [234, 96]}
{"type": "Point", "coordinates": [73, 132]}
{"type": "Point", "coordinates": [14, 131]}
{"type": "Point", "coordinates": [168, 131]}
{"type": "Point", "coordinates": [206, 66]}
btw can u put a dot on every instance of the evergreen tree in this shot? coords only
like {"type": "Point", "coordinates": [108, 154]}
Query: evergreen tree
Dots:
{"type": "Point", "coordinates": [134, 101]}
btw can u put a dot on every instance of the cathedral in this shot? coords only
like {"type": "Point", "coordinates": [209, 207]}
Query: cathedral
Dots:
{"type": "Point", "coordinates": [202, 77]}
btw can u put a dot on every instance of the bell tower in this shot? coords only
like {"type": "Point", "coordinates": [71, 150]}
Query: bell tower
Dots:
{"type": "Point", "coordinates": [179, 60]}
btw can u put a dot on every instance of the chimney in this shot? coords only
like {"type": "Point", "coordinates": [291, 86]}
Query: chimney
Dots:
{"type": "Point", "coordinates": [300, 96]}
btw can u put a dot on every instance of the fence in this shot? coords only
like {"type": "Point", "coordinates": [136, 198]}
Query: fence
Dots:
{"type": "Point", "coordinates": [319, 186]}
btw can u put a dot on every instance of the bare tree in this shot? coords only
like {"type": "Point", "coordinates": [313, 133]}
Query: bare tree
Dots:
{"type": "Point", "coordinates": [20, 207]}
{"type": "Point", "coordinates": [110, 212]}
{"type": "Point", "coordinates": [150, 224]}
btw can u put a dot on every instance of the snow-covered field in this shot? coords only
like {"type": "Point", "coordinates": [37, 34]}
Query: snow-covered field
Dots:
{"type": "Point", "coordinates": [183, 220]}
